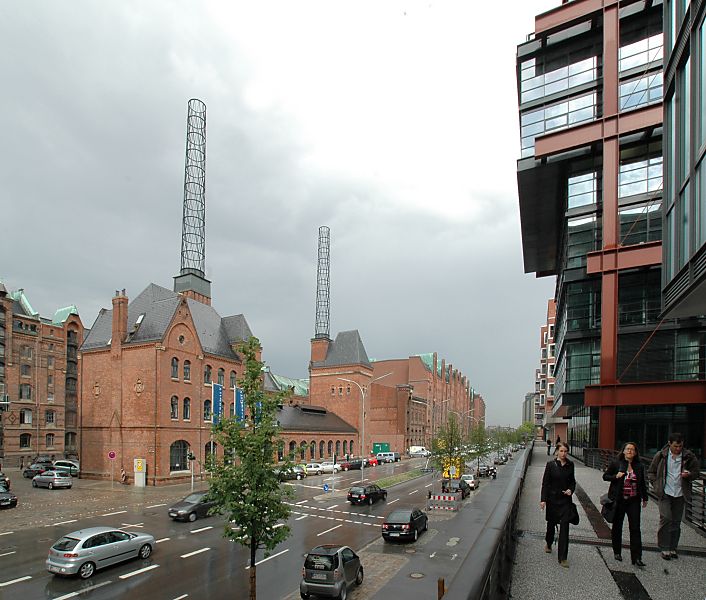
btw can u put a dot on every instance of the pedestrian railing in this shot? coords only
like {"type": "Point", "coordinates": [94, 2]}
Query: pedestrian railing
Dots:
{"type": "Point", "coordinates": [487, 569]}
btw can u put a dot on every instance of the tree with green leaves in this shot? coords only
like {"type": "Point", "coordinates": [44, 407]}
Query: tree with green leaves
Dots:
{"type": "Point", "coordinates": [245, 485]}
{"type": "Point", "coordinates": [449, 446]}
{"type": "Point", "coordinates": [526, 431]}
{"type": "Point", "coordinates": [479, 444]}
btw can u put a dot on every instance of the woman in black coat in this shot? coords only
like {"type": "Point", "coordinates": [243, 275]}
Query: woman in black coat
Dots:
{"type": "Point", "coordinates": [558, 486]}
{"type": "Point", "coordinates": [628, 489]}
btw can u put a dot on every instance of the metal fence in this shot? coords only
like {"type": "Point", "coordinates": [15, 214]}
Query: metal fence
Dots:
{"type": "Point", "coordinates": [487, 569]}
{"type": "Point", "coordinates": [695, 513]}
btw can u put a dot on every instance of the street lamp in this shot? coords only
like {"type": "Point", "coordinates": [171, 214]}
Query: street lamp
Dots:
{"type": "Point", "coordinates": [362, 417]}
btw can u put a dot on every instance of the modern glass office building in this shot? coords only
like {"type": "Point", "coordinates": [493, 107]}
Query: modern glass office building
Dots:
{"type": "Point", "coordinates": [591, 188]}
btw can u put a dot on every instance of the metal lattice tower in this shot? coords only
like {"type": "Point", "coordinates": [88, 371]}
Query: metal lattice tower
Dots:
{"type": "Point", "coordinates": [193, 232]}
{"type": "Point", "coordinates": [323, 295]}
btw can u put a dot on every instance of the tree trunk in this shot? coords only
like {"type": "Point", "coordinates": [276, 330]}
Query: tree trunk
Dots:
{"type": "Point", "coordinates": [253, 571]}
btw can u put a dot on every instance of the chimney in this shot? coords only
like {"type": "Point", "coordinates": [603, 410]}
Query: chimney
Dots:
{"type": "Point", "coordinates": [119, 318]}
{"type": "Point", "coordinates": [319, 348]}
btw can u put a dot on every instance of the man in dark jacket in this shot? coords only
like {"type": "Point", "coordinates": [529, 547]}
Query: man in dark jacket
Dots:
{"type": "Point", "coordinates": [672, 470]}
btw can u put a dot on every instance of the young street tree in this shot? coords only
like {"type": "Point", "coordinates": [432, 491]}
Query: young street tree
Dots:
{"type": "Point", "coordinates": [245, 486]}
{"type": "Point", "coordinates": [449, 445]}
{"type": "Point", "coordinates": [480, 445]}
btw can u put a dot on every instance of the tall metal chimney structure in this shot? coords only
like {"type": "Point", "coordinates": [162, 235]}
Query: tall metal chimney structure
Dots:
{"type": "Point", "coordinates": [323, 290]}
{"type": "Point", "coordinates": [191, 280]}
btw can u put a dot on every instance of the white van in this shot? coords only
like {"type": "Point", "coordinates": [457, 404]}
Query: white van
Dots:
{"type": "Point", "coordinates": [417, 451]}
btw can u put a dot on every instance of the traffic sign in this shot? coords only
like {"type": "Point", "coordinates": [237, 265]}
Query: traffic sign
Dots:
{"type": "Point", "coordinates": [111, 455]}
{"type": "Point", "coordinates": [325, 487]}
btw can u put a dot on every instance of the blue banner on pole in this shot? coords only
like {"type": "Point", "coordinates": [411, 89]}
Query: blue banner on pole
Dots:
{"type": "Point", "coordinates": [217, 399]}
{"type": "Point", "coordinates": [239, 405]}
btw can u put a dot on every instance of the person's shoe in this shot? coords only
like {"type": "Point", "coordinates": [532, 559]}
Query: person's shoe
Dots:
{"type": "Point", "coordinates": [547, 548]}
{"type": "Point", "coordinates": [619, 558]}
{"type": "Point", "coordinates": [673, 555]}
{"type": "Point", "coordinates": [564, 563]}
{"type": "Point", "coordinates": [638, 563]}
{"type": "Point", "coordinates": [666, 556]}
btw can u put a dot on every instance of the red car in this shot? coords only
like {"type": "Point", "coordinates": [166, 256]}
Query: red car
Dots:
{"type": "Point", "coordinates": [372, 461]}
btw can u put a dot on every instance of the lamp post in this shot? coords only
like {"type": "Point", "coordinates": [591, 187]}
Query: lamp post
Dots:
{"type": "Point", "coordinates": [362, 417]}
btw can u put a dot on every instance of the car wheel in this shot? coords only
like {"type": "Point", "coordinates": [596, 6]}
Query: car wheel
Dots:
{"type": "Point", "coordinates": [359, 576]}
{"type": "Point", "coordinates": [344, 592]}
{"type": "Point", "coordinates": [426, 524]}
{"type": "Point", "coordinates": [298, 477]}
{"type": "Point", "coordinates": [370, 501]}
{"type": "Point", "coordinates": [416, 534]}
{"type": "Point", "coordinates": [304, 596]}
{"type": "Point", "coordinates": [192, 517]}
{"type": "Point", "coordinates": [145, 551]}
{"type": "Point", "coordinates": [86, 570]}
{"type": "Point", "coordinates": [384, 497]}
{"type": "Point", "coordinates": [50, 485]}
{"type": "Point", "coordinates": [34, 484]}
{"type": "Point", "coordinates": [345, 468]}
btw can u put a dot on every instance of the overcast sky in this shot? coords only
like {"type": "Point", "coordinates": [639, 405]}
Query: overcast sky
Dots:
{"type": "Point", "coordinates": [392, 122]}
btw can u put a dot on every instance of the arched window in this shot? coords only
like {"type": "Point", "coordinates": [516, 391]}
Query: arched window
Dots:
{"type": "Point", "coordinates": [292, 449]}
{"type": "Point", "coordinates": [302, 450]}
{"type": "Point", "coordinates": [330, 448]}
{"type": "Point", "coordinates": [312, 450]}
{"type": "Point", "coordinates": [350, 446]}
{"type": "Point", "coordinates": [321, 449]}
{"type": "Point", "coordinates": [333, 390]}
{"type": "Point", "coordinates": [186, 413]}
{"type": "Point", "coordinates": [174, 408]}
{"type": "Point", "coordinates": [175, 368]}
{"type": "Point", "coordinates": [187, 370]}
{"type": "Point", "coordinates": [206, 410]}
{"type": "Point", "coordinates": [207, 374]}
{"type": "Point", "coordinates": [25, 440]}
{"type": "Point", "coordinates": [338, 447]}
{"type": "Point", "coordinates": [348, 390]}
{"type": "Point", "coordinates": [177, 456]}
{"type": "Point", "coordinates": [345, 446]}
{"type": "Point", "coordinates": [233, 379]}
{"type": "Point", "coordinates": [221, 377]}
{"type": "Point", "coordinates": [340, 390]}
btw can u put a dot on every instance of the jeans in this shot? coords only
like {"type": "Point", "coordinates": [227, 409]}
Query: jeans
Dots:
{"type": "Point", "coordinates": [671, 511]}
{"type": "Point", "coordinates": [563, 550]}
{"type": "Point", "coordinates": [632, 508]}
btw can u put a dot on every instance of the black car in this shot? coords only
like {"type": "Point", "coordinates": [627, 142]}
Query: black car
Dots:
{"type": "Point", "coordinates": [452, 486]}
{"type": "Point", "coordinates": [404, 523]}
{"type": "Point", "coordinates": [351, 463]}
{"type": "Point", "coordinates": [35, 469]}
{"type": "Point", "coordinates": [366, 494]}
{"type": "Point", "coordinates": [294, 472]}
{"type": "Point", "coordinates": [7, 498]}
{"type": "Point", "coordinates": [191, 508]}
{"type": "Point", "coordinates": [4, 480]}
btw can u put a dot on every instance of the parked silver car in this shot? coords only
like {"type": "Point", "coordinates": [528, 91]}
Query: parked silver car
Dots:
{"type": "Point", "coordinates": [52, 479]}
{"type": "Point", "coordinates": [330, 570]}
{"type": "Point", "coordinates": [83, 552]}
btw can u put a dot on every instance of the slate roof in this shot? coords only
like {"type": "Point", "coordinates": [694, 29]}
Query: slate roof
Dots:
{"type": "Point", "coordinates": [346, 349]}
{"type": "Point", "coordinates": [313, 419]}
{"type": "Point", "coordinates": [158, 306]}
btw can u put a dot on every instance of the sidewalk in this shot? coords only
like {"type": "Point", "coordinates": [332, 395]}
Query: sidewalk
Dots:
{"type": "Point", "coordinates": [593, 572]}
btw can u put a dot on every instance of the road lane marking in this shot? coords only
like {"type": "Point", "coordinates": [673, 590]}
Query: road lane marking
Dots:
{"type": "Point", "coordinates": [6, 583]}
{"type": "Point", "coordinates": [202, 529]}
{"type": "Point", "coordinates": [182, 597]}
{"type": "Point", "coordinates": [393, 501]}
{"type": "Point", "coordinates": [162, 540]}
{"type": "Point", "coordinates": [413, 492]}
{"type": "Point", "coordinates": [302, 502]}
{"type": "Point", "coordinates": [155, 506]}
{"type": "Point", "coordinates": [268, 558]}
{"type": "Point", "coordinates": [195, 552]}
{"type": "Point", "coordinates": [120, 512]}
{"type": "Point", "coordinates": [88, 589]}
{"type": "Point", "coordinates": [8, 553]}
{"type": "Point", "coordinates": [332, 528]}
{"type": "Point", "coordinates": [138, 571]}
{"type": "Point", "coordinates": [302, 517]}
{"type": "Point", "coordinates": [7, 533]}
{"type": "Point", "coordinates": [428, 485]}
{"type": "Point", "coordinates": [126, 525]}
{"type": "Point", "coordinates": [65, 522]}
{"type": "Point", "coordinates": [332, 507]}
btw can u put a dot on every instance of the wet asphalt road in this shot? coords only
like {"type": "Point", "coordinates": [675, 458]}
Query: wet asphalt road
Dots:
{"type": "Point", "coordinates": [191, 560]}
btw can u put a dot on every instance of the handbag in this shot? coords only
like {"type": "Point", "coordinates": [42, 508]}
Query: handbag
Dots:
{"type": "Point", "coordinates": [607, 508]}
{"type": "Point", "coordinates": [573, 514]}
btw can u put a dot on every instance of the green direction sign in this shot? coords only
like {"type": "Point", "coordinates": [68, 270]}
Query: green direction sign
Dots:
{"type": "Point", "coordinates": [381, 447]}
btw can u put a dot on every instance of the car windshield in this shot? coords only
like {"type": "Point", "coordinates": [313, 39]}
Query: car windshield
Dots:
{"type": "Point", "coordinates": [357, 490]}
{"type": "Point", "coordinates": [399, 516]}
{"type": "Point", "coordinates": [321, 562]}
{"type": "Point", "coordinates": [3, 489]}
{"type": "Point", "coordinates": [193, 498]}
{"type": "Point", "coordinates": [65, 543]}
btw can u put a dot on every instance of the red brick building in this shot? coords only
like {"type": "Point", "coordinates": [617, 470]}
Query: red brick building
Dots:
{"type": "Point", "coordinates": [147, 369]}
{"type": "Point", "coordinates": [38, 380]}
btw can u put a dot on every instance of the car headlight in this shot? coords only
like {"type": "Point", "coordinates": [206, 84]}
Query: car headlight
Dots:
{"type": "Point", "coordinates": [181, 512]}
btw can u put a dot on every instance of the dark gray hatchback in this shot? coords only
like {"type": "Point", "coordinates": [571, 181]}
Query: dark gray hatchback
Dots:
{"type": "Point", "coordinates": [329, 571]}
